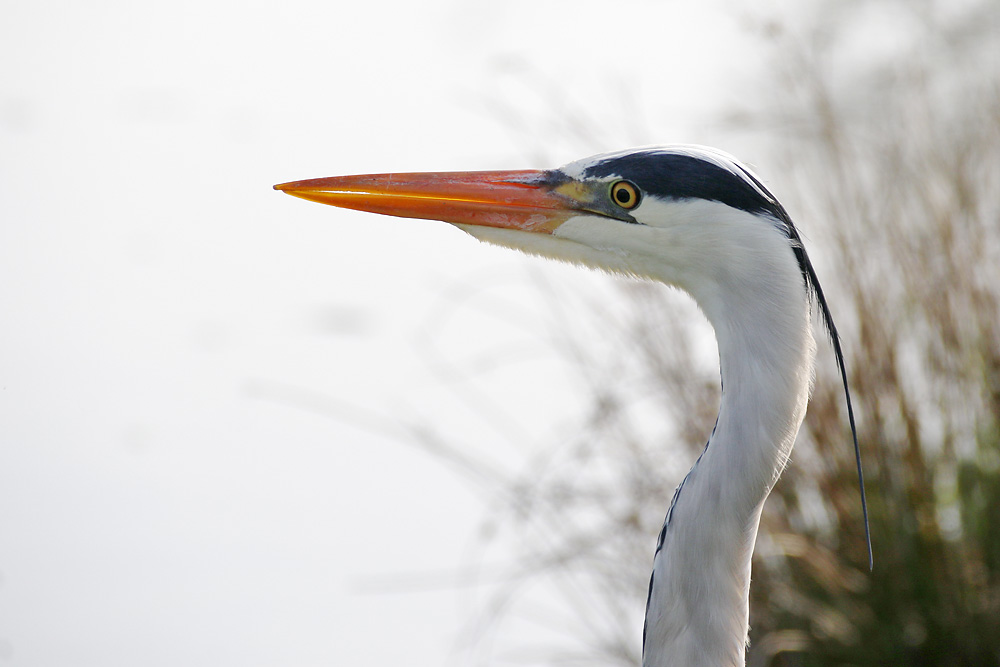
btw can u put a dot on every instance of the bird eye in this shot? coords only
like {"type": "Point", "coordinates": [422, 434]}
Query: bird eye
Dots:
{"type": "Point", "coordinates": [625, 194]}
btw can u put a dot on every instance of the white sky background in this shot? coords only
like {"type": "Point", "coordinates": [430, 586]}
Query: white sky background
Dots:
{"type": "Point", "coordinates": [163, 500]}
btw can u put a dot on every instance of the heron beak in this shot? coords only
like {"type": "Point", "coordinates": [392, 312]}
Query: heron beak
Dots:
{"type": "Point", "coordinates": [527, 200]}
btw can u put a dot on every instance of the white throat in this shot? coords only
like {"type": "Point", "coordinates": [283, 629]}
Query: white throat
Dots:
{"type": "Point", "coordinates": [698, 610]}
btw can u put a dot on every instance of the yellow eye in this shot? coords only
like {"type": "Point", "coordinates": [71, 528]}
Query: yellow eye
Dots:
{"type": "Point", "coordinates": [625, 194]}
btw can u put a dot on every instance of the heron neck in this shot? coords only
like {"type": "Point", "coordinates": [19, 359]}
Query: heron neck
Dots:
{"type": "Point", "coordinates": [698, 609]}
{"type": "Point", "coordinates": [766, 378]}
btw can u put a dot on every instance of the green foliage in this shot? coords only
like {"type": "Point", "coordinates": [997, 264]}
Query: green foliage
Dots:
{"type": "Point", "coordinates": [897, 163]}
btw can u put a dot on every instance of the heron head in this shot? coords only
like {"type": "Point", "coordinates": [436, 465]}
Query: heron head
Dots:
{"type": "Point", "coordinates": [685, 215]}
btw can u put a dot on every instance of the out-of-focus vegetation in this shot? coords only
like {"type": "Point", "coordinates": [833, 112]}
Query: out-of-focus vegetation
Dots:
{"type": "Point", "coordinates": [895, 163]}
{"type": "Point", "coordinates": [884, 120]}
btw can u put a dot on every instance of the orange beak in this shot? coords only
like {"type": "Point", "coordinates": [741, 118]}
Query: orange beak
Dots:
{"type": "Point", "coordinates": [527, 200]}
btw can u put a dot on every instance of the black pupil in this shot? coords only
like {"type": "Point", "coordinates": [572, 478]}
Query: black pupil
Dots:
{"type": "Point", "coordinates": [623, 195]}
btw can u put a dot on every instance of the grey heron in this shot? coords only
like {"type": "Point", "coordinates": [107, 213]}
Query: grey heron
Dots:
{"type": "Point", "coordinates": [697, 219]}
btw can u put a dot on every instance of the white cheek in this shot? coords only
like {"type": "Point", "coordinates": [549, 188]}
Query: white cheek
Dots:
{"type": "Point", "coordinates": [635, 249]}
{"type": "Point", "coordinates": [602, 234]}
{"type": "Point", "coordinates": [582, 240]}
